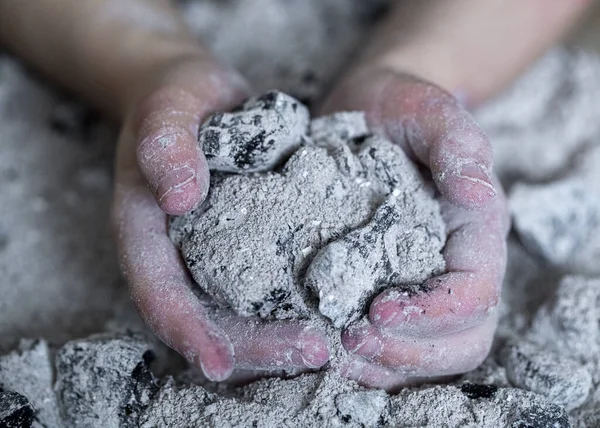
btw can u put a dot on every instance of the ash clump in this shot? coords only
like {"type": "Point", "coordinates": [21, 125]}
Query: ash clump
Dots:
{"type": "Point", "coordinates": [568, 322]}
{"type": "Point", "coordinates": [548, 116]}
{"type": "Point", "coordinates": [345, 216]}
{"type": "Point", "coordinates": [104, 380]}
{"type": "Point", "coordinates": [564, 234]}
{"type": "Point", "coordinates": [29, 371]}
{"type": "Point", "coordinates": [561, 379]}
{"type": "Point", "coordinates": [15, 410]}
{"type": "Point", "coordinates": [267, 129]}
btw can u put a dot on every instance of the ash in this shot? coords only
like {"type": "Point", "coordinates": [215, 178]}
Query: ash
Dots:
{"type": "Point", "coordinates": [61, 281]}
{"type": "Point", "coordinates": [346, 213]}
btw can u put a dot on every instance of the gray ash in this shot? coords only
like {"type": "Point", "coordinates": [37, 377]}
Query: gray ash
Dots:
{"type": "Point", "coordinates": [337, 220]}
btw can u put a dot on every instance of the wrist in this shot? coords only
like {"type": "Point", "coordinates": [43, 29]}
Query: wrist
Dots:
{"type": "Point", "coordinates": [441, 67]}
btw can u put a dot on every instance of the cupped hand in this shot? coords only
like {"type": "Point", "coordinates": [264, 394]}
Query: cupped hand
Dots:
{"type": "Point", "coordinates": [449, 329]}
{"type": "Point", "coordinates": [160, 170]}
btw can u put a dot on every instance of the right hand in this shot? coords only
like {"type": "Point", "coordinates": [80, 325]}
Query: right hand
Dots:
{"type": "Point", "coordinates": [160, 170]}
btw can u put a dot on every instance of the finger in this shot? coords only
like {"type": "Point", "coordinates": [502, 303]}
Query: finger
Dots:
{"type": "Point", "coordinates": [419, 356]}
{"type": "Point", "coordinates": [159, 284]}
{"type": "Point", "coordinates": [373, 375]}
{"type": "Point", "coordinates": [167, 122]}
{"type": "Point", "coordinates": [475, 255]}
{"type": "Point", "coordinates": [275, 345]}
{"type": "Point", "coordinates": [430, 125]}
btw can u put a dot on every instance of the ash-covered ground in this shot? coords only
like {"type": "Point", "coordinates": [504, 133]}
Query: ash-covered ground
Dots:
{"type": "Point", "coordinates": [60, 280]}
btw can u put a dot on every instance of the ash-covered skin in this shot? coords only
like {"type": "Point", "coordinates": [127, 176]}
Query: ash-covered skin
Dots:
{"type": "Point", "coordinates": [15, 410]}
{"type": "Point", "coordinates": [351, 201]}
{"type": "Point", "coordinates": [257, 137]}
{"type": "Point", "coordinates": [104, 381]}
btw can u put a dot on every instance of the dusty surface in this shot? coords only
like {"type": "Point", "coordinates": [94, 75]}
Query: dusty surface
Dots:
{"type": "Point", "coordinates": [563, 232]}
{"type": "Point", "coordinates": [59, 270]}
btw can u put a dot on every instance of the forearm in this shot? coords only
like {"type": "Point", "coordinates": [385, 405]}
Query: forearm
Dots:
{"type": "Point", "coordinates": [472, 48]}
{"type": "Point", "coordinates": [105, 50]}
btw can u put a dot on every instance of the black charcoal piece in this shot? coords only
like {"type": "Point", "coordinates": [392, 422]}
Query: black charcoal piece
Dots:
{"type": "Point", "coordinates": [476, 391]}
{"type": "Point", "coordinates": [256, 137]}
{"type": "Point", "coordinates": [15, 410]}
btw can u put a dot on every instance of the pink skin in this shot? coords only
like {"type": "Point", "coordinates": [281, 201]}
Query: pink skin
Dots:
{"type": "Point", "coordinates": [407, 360]}
{"type": "Point", "coordinates": [449, 330]}
{"type": "Point", "coordinates": [158, 161]}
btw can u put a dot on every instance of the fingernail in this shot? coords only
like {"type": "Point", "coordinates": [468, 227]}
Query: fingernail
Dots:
{"type": "Point", "coordinates": [216, 358]}
{"type": "Point", "coordinates": [384, 310]}
{"type": "Point", "coordinates": [313, 349]}
{"type": "Point", "coordinates": [371, 347]}
{"type": "Point", "coordinates": [214, 374]}
{"type": "Point", "coordinates": [383, 320]}
{"type": "Point", "coordinates": [478, 174]}
{"type": "Point", "coordinates": [354, 370]}
{"type": "Point", "coordinates": [362, 341]}
{"type": "Point", "coordinates": [175, 181]}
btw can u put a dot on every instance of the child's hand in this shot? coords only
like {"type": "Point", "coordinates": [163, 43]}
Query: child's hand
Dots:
{"type": "Point", "coordinates": [140, 64]}
{"type": "Point", "coordinates": [161, 170]}
{"type": "Point", "coordinates": [455, 44]}
{"type": "Point", "coordinates": [448, 330]}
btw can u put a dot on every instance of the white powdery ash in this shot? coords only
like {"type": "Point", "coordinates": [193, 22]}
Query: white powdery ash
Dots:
{"type": "Point", "coordinates": [344, 217]}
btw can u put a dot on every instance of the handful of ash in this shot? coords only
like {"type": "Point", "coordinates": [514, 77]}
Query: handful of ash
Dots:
{"type": "Point", "coordinates": [307, 217]}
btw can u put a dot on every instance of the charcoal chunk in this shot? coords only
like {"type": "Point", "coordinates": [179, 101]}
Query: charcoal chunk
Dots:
{"type": "Point", "coordinates": [104, 381]}
{"type": "Point", "coordinates": [15, 410]}
{"type": "Point", "coordinates": [258, 136]}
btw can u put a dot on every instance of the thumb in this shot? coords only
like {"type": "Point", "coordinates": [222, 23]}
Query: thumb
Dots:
{"type": "Point", "coordinates": [165, 124]}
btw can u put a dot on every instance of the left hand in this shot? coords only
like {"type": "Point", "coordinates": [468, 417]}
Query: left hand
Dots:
{"type": "Point", "coordinates": [448, 330]}
{"type": "Point", "coordinates": [455, 44]}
